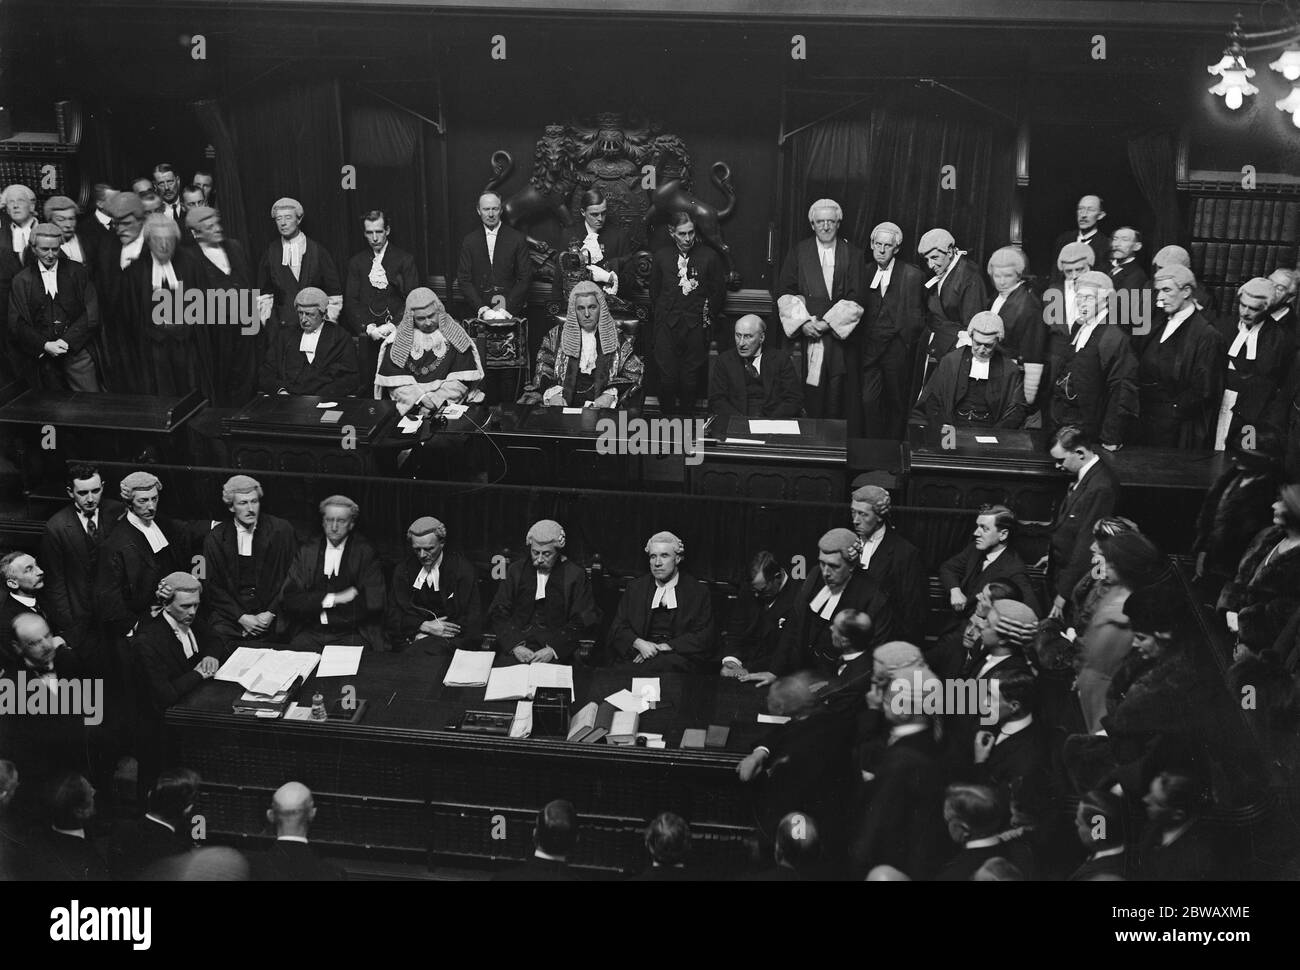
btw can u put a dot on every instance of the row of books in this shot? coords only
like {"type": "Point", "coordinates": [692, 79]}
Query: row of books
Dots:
{"type": "Point", "coordinates": [1239, 261]}
{"type": "Point", "coordinates": [1272, 219]}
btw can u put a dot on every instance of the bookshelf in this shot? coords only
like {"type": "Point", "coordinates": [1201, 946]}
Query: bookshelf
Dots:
{"type": "Point", "coordinates": [24, 156]}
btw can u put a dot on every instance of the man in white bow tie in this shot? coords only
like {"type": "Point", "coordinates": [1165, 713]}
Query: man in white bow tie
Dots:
{"type": "Point", "coordinates": [1088, 213]}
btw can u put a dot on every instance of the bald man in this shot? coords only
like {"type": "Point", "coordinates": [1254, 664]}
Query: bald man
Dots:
{"type": "Point", "coordinates": [314, 358]}
{"type": "Point", "coordinates": [433, 602]}
{"type": "Point", "coordinates": [749, 379]}
{"type": "Point", "coordinates": [544, 606]}
{"type": "Point", "coordinates": [893, 319]}
{"type": "Point", "coordinates": [1181, 366]}
{"type": "Point", "coordinates": [1259, 357]}
{"type": "Point", "coordinates": [664, 621]}
{"type": "Point", "coordinates": [335, 589]}
{"type": "Point", "coordinates": [976, 386]}
{"type": "Point", "coordinates": [819, 295]}
{"type": "Point", "coordinates": [54, 317]}
{"type": "Point", "coordinates": [494, 268]}
{"type": "Point", "coordinates": [1088, 213]}
{"type": "Point", "coordinates": [293, 262]}
{"type": "Point", "coordinates": [291, 858]}
{"type": "Point", "coordinates": [248, 558]}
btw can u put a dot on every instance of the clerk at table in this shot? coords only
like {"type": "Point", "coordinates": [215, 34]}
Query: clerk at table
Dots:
{"type": "Point", "coordinates": [664, 621]}
{"type": "Point", "coordinates": [433, 602]}
{"type": "Point", "coordinates": [976, 386]}
{"type": "Point", "coordinates": [751, 380]}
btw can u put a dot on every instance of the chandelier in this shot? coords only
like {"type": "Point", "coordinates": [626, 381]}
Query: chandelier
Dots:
{"type": "Point", "coordinates": [1234, 74]}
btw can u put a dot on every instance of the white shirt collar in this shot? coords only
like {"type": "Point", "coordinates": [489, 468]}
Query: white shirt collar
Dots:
{"type": "Point", "coordinates": [983, 843]}
{"type": "Point", "coordinates": [1008, 728]}
{"type": "Point", "coordinates": [1087, 467]}
{"type": "Point", "coordinates": [167, 825]}
{"type": "Point", "coordinates": [825, 602]}
{"type": "Point", "coordinates": [163, 274]}
{"type": "Point", "coordinates": [991, 661]}
{"type": "Point", "coordinates": [308, 342]}
{"type": "Point", "coordinates": [1085, 331]}
{"type": "Point", "coordinates": [979, 369]}
{"type": "Point", "coordinates": [590, 350]}
{"type": "Point", "coordinates": [28, 601]}
{"type": "Point", "coordinates": [292, 838]}
{"type": "Point", "coordinates": [151, 531]}
{"type": "Point", "coordinates": [131, 252]}
{"type": "Point", "coordinates": [1247, 337]}
{"type": "Point", "coordinates": [904, 730]}
{"type": "Point", "coordinates": [494, 230]}
{"type": "Point", "coordinates": [217, 257]}
{"type": "Point", "coordinates": [1001, 298]}
{"type": "Point", "coordinates": [992, 557]}
{"type": "Point", "coordinates": [871, 543]}
{"type": "Point", "coordinates": [1176, 321]}
{"type": "Point", "coordinates": [430, 575]}
{"type": "Point", "coordinates": [1085, 236]}
{"type": "Point", "coordinates": [1280, 312]}
{"type": "Point", "coordinates": [186, 637]}
{"type": "Point", "coordinates": [542, 578]}
{"type": "Point", "coordinates": [665, 594]}
{"type": "Point", "coordinates": [1106, 853]}
{"type": "Point", "coordinates": [1169, 836]}
{"type": "Point", "coordinates": [104, 218]}
{"type": "Point", "coordinates": [72, 249]}
{"type": "Point", "coordinates": [334, 557]}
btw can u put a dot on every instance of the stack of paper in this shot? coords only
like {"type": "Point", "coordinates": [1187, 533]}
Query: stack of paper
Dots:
{"type": "Point", "coordinates": [625, 700]}
{"type": "Point", "coordinates": [647, 688]}
{"type": "Point", "coordinates": [773, 427]}
{"type": "Point", "coordinates": [521, 681]}
{"type": "Point", "coordinates": [267, 671]}
{"type": "Point", "coordinates": [469, 668]}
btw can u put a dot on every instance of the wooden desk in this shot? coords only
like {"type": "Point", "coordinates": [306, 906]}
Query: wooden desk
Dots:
{"type": "Point", "coordinates": [400, 780]}
{"type": "Point", "coordinates": [811, 466]}
{"type": "Point", "coordinates": [281, 432]}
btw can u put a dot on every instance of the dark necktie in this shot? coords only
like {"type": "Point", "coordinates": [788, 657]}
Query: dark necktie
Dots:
{"type": "Point", "coordinates": [92, 530]}
{"type": "Point", "coordinates": [751, 371]}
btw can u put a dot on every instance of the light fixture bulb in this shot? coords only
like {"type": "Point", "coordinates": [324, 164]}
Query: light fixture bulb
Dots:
{"type": "Point", "coordinates": [1288, 64]}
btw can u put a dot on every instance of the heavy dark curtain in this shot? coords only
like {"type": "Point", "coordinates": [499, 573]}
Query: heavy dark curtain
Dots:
{"type": "Point", "coordinates": [383, 143]}
{"type": "Point", "coordinates": [1153, 157]}
{"type": "Point", "coordinates": [885, 163]}
{"type": "Point", "coordinates": [229, 185]}
{"type": "Point", "coordinates": [290, 143]}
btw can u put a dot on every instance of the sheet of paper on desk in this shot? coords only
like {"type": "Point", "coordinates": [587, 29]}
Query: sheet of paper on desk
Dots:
{"type": "Point", "coordinates": [772, 719]}
{"type": "Point", "coordinates": [647, 687]}
{"type": "Point", "coordinates": [409, 424]}
{"type": "Point", "coordinates": [522, 725]}
{"type": "Point", "coordinates": [985, 439]}
{"type": "Point", "coordinates": [298, 712]}
{"type": "Point", "coordinates": [570, 410]}
{"type": "Point", "coordinates": [239, 663]}
{"type": "Point", "coordinates": [275, 670]}
{"type": "Point", "coordinates": [328, 404]}
{"type": "Point", "coordinates": [337, 660]}
{"type": "Point", "coordinates": [469, 668]}
{"type": "Point", "coordinates": [774, 427]}
{"type": "Point", "coordinates": [740, 441]}
{"type": "Point", "coordinates": [625, 700]}
{"type": "Point", "coordinates": [331, 417]}
{"type": "Point", "coordinates": [551, 675]}
{"type": "Point", "coordinates": [508, 684]}
{"type": "Point", "coordinates": [453, 411]}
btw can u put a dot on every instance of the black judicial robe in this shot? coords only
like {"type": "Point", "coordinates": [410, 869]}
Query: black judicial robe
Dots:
{"type": "Point", "coordinates": [278, 281]}
{"type": "Point", "coordinates": [118, 347]}
{"type": "Point", "coordinates": [44, 745]}
{"type": "Point", "coordinates": [11, 264]}
{"type": "Point", "coordinates": [306, 586]}
{"type": "Point", "coordinates": [778, 394]}
{"type": "Point", "coordinates": [1257, 382]}
{"type": "Point", "coordinates": [949, 310]}
{"type": "Point", "coordinates": [235, 353]}
{"type": "Point", "coordinates": [1005, 391]}
{"type": "Point", "coordinates": [1099, 243]}
{"type": "Point", "coordinates": [615, 244]}
{"type": "Point", "coordinates": [903, 826]}
{"type": "Point", "coordinates": [274, 546]}
{"type": "Point", "coordinates": [1128, 276]}
{"type": "Point", "coordinates": [128, 572]}
{"type": "Point", "coordinates": [1180, 384]}
{"type": "Point", "coordinates": [1237, 506]}
{"type": "Point", "coordinates": [1022, 315]}
{"type": "Point", "coordinates": [1095, 386]}
{"type": "Point", "coordinates": [177, 357]}
{"type": "Point", "coordinates": [35, 319]}
{"type": "Point", "coordinates": [756, 626]}
{"type": "Point", "coordinates": [69, 559]}
{"type": "Point", "coordinates": [801, 275]}
{"type": "Point", "coordinates": [168, 674]}
{"type": "Point", "coordinates": [458, 586]}
{"type": "Point", "coordinates": [798, 647]}
{"type": "Point", "coordinates": [333, 372]}
{"type": "Point", "coordinates": [691, 623]}
{"type": "Point", "coordinates": [566, 614]}
{"type": "Point", "coordinates": [1286, 417]}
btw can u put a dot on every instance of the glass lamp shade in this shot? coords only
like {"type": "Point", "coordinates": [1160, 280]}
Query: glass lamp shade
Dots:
{"type": "Point", "coordinates": [1234, 87]}
{"type": "Point", "coordinates": [1288, 64]}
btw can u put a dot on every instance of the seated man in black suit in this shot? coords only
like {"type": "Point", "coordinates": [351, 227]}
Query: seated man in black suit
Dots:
{"type": "Point", "coordinates": [54, 317]}
{"type": "Point", "coordinates": [374, 290]}
{"type": "Point", "coordinates": [977, 386]}
{"type": "Point", "coordinates": [163, 832]}
{"type": "Point", "coordinates": [976, 816]}
{"type": "Point", "coordinates": [23, 591]}
{"type": "Point", "coordinates": [434, 600]}
{"type": "Point", "coordinates": [62, 851]}
{"type": "Point", "coordinates": [70, 549]}
{"type": "Point", "coordinates": [553, 838]}
{"type": "Point", "coordinates": [668, 843]}
{"type": "Point", "coordinates": [494, 269]}
{"type": "Point", "coordinates": [988, 558]}
{"type": "Point", "coordinates": [759, 617]}
{"type": "Point", "coordinates": [603, 251]}
{"type": "Point", "coordinates": [1099, 822]}
{"type": "Point", "coordinates": [316, 357]}
{"type": "Point", "coordinates": [1176, 845]}
{"type": "Point", "coordinates": [291, 858]}
{"type": "Point", "coordinates": [891, 561]}
{"type": "Point", "coordinates": [664, 621]}
{"type": "Point", "coordinates": [837, 584]}
{"type": "Point", "coordinates": [805, 764]}
{"type": "Point", "coordinates": [903, 824]}
{"type": "Point", "coordinates": [544, 606]}
{"type": "Point", "coordinates": [247, 558]}
{"type": "Point", "coordinates": [174, 651]}
{"type": "Point", "coordinates": [750, 381]}
{"type": "Point", "coordinates": [334, 592]}
{"type": "Point", "coordinates": [585, 361]}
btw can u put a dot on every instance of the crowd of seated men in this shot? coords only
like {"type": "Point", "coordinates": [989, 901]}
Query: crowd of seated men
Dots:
{"type": "Point", "coordinates": [915, 749]}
